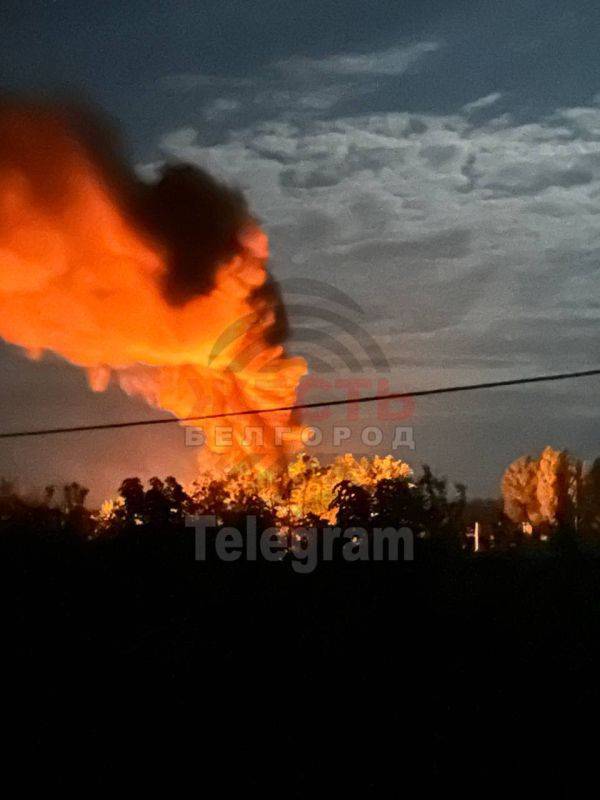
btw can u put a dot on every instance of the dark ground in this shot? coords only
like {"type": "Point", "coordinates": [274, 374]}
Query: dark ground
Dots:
{"type": "Point", "coordinates": [464, 674]}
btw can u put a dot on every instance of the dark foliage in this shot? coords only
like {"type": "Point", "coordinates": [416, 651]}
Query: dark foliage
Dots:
{"type": "Point", "coordinates": [120, 651]}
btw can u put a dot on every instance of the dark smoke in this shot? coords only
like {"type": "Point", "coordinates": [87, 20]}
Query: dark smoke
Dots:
{"type": "Point", "coordinates": [200, 219]}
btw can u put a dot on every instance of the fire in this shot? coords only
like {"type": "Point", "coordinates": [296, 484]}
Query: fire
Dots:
{"type": "Point", "coordinates": [88, 272]}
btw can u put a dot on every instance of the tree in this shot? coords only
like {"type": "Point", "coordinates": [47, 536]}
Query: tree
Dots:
{"type": "Point", "coordinates": [156, 503]}
{"type": "Point", "coordinates": [519, 484]}
{"type": "Point", "coordinates": [177, 497]}
{"type": "Point", "coordinates": [554, 476]}
{"type": "Point", "coordinates": [398, 504]}
{"type": "Point", "coordinates": [49, 492]}
{"type": "Point", "coordinates": [132, 492]}
{"type": "Point", "coordinates": [353, 504]}
{"type": "Point", "coordinates": [77, 519]}
{"type": "Point", "coordinates": [542, 491]}
{"type": "Point", "coordinates": [590, 500]}
{"type": "Point", "coordinates": [74, 496]}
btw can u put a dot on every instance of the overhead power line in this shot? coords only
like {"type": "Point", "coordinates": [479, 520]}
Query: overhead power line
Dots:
{"type": "Point", "coordinates": [470, 387]}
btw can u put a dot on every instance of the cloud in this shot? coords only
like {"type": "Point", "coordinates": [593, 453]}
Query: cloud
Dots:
{"type": "Point", "coordinates": [299, 86]}
{"type": "Point", "coordinates": [469, 244]}
{"type": "Point", "coordinates": [482, 102]}
{"type": "Point", "coordinates": [527, 178]}
{"type": "Point", "coordinates": [221, 107]}
{"type": "Point", "coordinates": [394, 61]}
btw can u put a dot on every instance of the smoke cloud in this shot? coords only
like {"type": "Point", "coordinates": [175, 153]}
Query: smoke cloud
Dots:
{"type": "Point", "coordinates": [161, 285]}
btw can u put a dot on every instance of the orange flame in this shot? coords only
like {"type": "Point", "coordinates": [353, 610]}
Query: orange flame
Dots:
{"type": "Point", "coordinates": [79, 278]}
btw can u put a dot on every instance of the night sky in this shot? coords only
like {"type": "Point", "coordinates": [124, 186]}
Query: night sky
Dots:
{"type": "Point", "coordinates": [437, 162]}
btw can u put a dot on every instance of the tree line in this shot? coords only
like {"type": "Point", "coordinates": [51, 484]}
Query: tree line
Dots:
{"type": "Point", "coordinates": [544, 499]}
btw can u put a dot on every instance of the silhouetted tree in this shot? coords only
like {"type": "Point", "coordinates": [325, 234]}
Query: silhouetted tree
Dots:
{"type": "Point", "coordinates": [397, 504]}
{"type": "Point", "coordinates": [132, 492]}
{"type": "Point", "coordinates": [212, 499]}
{"type": "Point", "coordinates": [74, 496]}
{"type": "Point", "coordinates": [443, 518]}
{"type": "Point", "coordinates": [156, 503]}
{"type": "Point", "coordinates": [590, 501]}
{"type": "Point", "coordinates": [353, 505]}
{"type": "Point", "coordinates": [49, 492]}
{"type": "Point", "coordinates": [177, 498]}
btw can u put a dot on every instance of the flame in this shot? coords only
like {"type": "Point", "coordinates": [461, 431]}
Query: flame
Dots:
{"type": "Point", "coordinates": [79, 277]}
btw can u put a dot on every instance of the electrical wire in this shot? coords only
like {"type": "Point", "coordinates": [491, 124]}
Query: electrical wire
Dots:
{"type": "Point", "coordinates": [302, 406]}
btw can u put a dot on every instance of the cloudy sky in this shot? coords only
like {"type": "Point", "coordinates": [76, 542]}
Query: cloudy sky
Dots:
{"type": "Point", "coordinates": [435, 166]}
